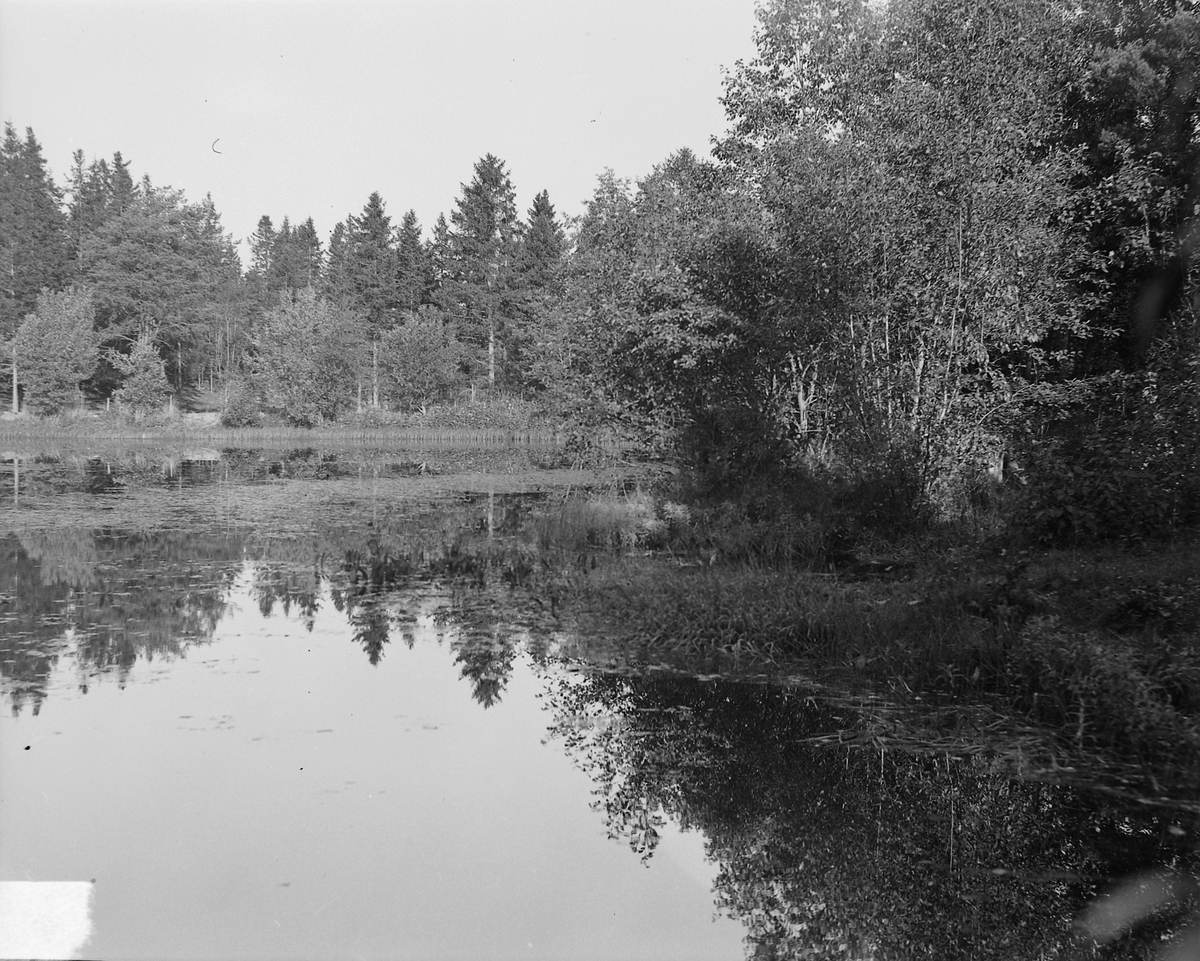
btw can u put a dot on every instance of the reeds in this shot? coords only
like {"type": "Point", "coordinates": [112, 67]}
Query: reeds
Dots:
{"type": "Point", "coordinates": [283, 436]}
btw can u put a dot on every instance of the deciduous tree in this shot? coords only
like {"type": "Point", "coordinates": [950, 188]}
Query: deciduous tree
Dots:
{"type": "Point", "coordinates": [308, 355]}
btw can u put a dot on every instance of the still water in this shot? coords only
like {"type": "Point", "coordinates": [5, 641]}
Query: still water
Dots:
{"type": "Point", "coordinates": [333, 704]}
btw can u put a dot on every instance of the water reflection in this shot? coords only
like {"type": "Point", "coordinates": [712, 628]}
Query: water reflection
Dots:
{"type": "Point", "coordinates": [816, 850]}
{"type": "Point", "coordinates": [824, 852]}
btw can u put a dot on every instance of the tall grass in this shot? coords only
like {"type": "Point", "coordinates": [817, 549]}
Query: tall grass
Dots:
{"type": "Point", "coordinates": [285, 436]}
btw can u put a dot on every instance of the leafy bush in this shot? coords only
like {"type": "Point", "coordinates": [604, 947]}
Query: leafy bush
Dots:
{"type": "Point", "coordinates": [241, 408]}
{"type": "Point", "coordinates": [145, 386]}
{"type": "Point", "coordinates": [1129, 473]}
{"type": "Point", "coordinates": [419, 360]}
{"type": "Point", "coordinates": [309, 355]}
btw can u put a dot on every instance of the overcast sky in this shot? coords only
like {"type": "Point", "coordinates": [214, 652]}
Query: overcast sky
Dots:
{"type": "Point", "coordinates": [314, 105]}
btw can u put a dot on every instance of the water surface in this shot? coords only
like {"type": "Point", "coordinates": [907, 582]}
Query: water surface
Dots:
{"type": "Point", "coordinates": [276, 704]}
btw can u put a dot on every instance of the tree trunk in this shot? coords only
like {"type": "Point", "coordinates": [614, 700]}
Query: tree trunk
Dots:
{"type": "Point", "coordinates": [375, 374]}
{"type": "Point", "coordinates": [491, 350]}
{"type": "Point", "coordinates": [15, 409]}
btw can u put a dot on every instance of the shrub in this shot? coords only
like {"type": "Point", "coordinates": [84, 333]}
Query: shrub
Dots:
{"type": "Point", "coordinates": [241, 408]}
{"type": "Point", "coordinates": [145, 386]}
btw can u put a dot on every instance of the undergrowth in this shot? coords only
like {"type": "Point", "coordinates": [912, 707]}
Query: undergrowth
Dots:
{"type": "Point", "coordinates": [1101, 643]}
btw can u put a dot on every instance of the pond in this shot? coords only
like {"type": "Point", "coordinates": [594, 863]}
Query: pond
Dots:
{"type": "Point", "coordinates": [334, 704]}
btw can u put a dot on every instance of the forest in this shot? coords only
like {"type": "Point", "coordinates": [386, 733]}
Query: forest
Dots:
{"type": "Point", "coordinates": [937, 263]}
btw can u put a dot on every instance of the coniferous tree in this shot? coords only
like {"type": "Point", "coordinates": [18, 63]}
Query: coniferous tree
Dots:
{"type": "Point", "coordinates": [484, 244]}
{"type": "Point", "coordinates": [34, 245]}
{"type": "Point", "coordinates": [262, 247]}
{"type": "Point", "coordinates": [222, 329]}
{"type": "Point", "coordinates": [411, 263]}
{"type": "Point", "coordinates": [99, 192]}
{"type": "Point", "coordinates": [335, 278]}
{"type": "Point", "coordinates": [289, 260]}
{"type": "Point", "coordinates": [56, 349]}
{"type": "Point", "coordinates": [372, 266]}
{"type": "Point", "coordinates": [437, 257]}
{"type": "Point", "coordinates": [541, 342]}
{"type": "Point", "coordinates": [373, 278]}
{"type": "Point", "coordinates": [122, 192]}
{"type": "Point", "coordinates": [159, 266]}
{"type": "Point", "coordinates": [89, 188]}
{"type": "Point", "coordinates": [309, 255]}
{"type": "Point", "coordinates": [543, 246]}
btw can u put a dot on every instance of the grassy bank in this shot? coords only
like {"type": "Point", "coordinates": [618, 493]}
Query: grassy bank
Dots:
{"type": "Point", "coordinates": [1099, 642]}
{"type": "Point", "coordinates": [494, 422]}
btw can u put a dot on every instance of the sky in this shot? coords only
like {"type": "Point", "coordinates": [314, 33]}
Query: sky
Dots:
{"type": "Point", "coordinates": [304, 108]}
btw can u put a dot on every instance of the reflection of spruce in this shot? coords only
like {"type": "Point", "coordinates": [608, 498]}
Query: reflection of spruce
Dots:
{"type": "Point", "coordinates": [370, 624]}
{"type": "Point", "coordinates": [487, 666]}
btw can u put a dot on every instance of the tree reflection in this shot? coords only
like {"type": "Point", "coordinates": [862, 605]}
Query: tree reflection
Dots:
{"type": "Point", "coordinates": [487, 664]}
{"type": "Point", "coordinates": [835, 852]}
{"type": "Point", "coordinates": [106, 598]}
{"type": "Point", "coordinates": [369, 621]}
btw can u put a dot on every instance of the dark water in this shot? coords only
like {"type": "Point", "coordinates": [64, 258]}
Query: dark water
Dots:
{"type": "Point", "coordinates": [268, 704]}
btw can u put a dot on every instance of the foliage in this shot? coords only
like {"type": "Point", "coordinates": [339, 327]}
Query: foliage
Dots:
{"type": "Point", "coordinates": [371, 266]}
{"type": "Point", "coordinates": [420, 359]}
{"type": "Point", "coordinates": [673, 290]}
{"type": "Point", "coordinates": [308, 354]}
{"type": "Point", "coordinates": [163, 264]}
{"type": "Point", "coordinates": [99, 191]}
{"type": "Point", "coordinates": [241, 408]}
{"type": "Point", "coordinates": [1080, 682]}
{"type": "Point", "coordinates": [1127, 465]}
{"type": "Point", "coordinates": [57, 350]}
{"type": "Point", "coordinates": [144, 386]}
{"type": "Point", "coordinates": [33, 237]}
{"type": "Point", "coordinates": [481, 259]}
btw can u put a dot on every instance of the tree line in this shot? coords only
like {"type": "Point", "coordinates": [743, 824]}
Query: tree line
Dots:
{"type": "Point", "coordinates": [940, 238]}
{"type": "Point", "coordinates": [130, 291]}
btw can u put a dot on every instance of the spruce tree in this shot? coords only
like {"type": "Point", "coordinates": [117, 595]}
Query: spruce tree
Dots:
{"type": "Point", "coordinates": [411, 263]}
{"type": "Point", "coordinates": [543, 245]}
{"type": "Point", "coordinates": [56, 349]}
{"type": "Point", "coordinates": [122, 193]}
{"type": "Point", "coordinates": [34, 243]}
{"type": "Point", "coordinates": [335, 278]}
{"type": "Point", "coordinates": [289, 261]}
{"type": "Point", "coordinates": [308, 253]}
{"type": "Point", "coordinates": [262, 247]}
{"type": "Point", "coordinates": [437, 257]}
{"type": "Point", "coordinates": [372, 265]}
{"type": "Point", "coordinates": [484, 244]}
